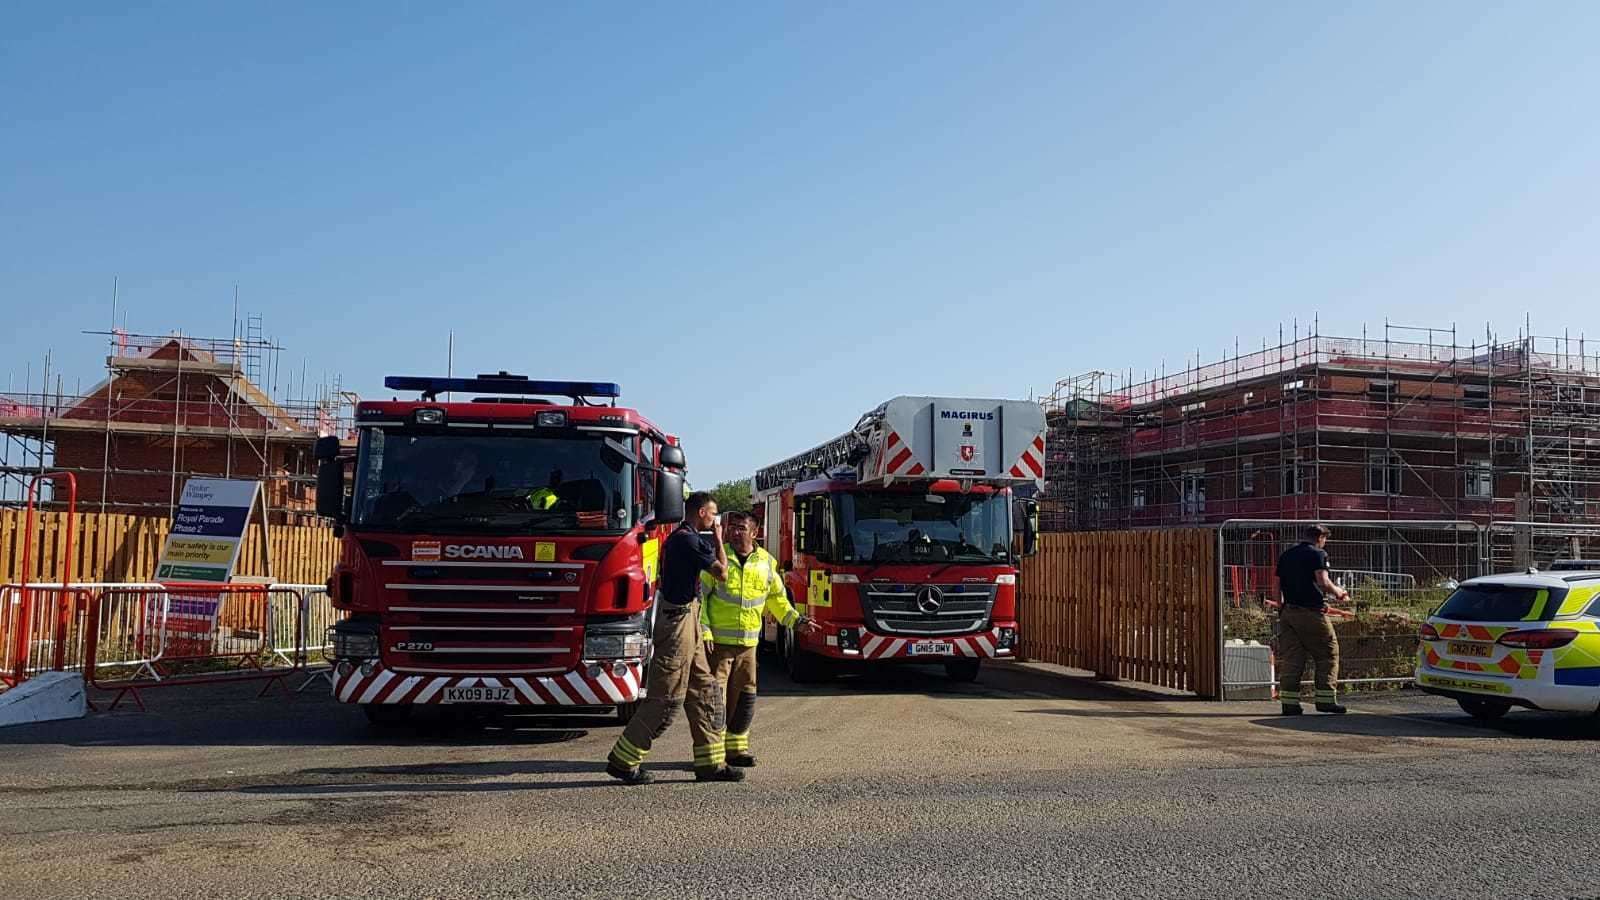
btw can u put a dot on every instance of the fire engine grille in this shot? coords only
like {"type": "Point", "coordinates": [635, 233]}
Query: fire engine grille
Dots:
{"type": "Point", "coordinates": [482, 628]}
{"type": "Point", "coordinates": [927, 609]}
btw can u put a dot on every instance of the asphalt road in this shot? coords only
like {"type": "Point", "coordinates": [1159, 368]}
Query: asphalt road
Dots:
{"type": "Point", "coordinates": [1026, 783]}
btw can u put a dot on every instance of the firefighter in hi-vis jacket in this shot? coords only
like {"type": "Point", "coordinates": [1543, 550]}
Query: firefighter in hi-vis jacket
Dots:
{"type": "Point", "coordinates": [730, 624]}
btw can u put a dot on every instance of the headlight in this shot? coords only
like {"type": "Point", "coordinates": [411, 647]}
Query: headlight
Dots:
{"type": "Point", "coordinates": [353, 645]}
{"type": "Point", "coordinates": [615, 646]}
{"type": "Point", "coordinates": [429, 416]}
{"type": "Point", "coordinates": [1008, 638]}
{"type": "Point", "coordinates": [551, 420]}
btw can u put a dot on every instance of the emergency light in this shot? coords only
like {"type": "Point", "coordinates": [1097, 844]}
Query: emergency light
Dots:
{"type": "Point", "coordinates": [501, 383]}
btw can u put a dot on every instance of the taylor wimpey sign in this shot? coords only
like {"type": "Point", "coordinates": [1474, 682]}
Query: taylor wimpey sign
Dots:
{"type": "Point", "coordinates": [207, 530]}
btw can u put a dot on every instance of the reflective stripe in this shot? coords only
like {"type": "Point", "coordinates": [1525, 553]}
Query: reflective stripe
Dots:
{"type": "Point", "coordinates": [721, 594]}
{"type": "Point", "coordinates": [627, 753]}
{"type": "Point", "coordinates": [711, 754]}
{"type": "Point", "coordinates": [737, 743]}
{"type": "Point", "coordinates": [735, 634]}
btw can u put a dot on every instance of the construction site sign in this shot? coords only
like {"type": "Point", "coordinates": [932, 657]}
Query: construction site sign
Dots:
{"type": "Point", "coordinates": [207, 530]}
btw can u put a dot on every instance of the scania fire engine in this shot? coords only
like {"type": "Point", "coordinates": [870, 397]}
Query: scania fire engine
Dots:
{"type": "Point", "coordinates": [498, 551]}
{"type": "Point", "coordinates": [900, 538]}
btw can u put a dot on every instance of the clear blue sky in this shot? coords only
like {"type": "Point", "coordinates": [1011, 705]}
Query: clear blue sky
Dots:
{"type": "Point", "coordinates": [762, 219]}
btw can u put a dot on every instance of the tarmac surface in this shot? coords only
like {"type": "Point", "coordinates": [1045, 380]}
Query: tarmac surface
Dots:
{"type": "Point", "coordinates": [1029, 782]}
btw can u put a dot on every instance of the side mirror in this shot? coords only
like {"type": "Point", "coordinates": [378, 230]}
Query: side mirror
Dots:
{"type": "Point", "coordinates": [669, 494]}
{"type": "Point", "coordinates": [330, 490]}
{"type": "Point", "coordinates": [1027, 517]}
{"type": "Point", "coordinates": [326, 448]}
{"type": "Point", "coordinates": [672, 458]}
{"type": "Point", "coordinates": [330, 479]}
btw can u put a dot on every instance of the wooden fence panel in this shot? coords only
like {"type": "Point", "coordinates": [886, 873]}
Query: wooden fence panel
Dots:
{"type": "Point", "coordinates": [115, 547]}
{"type": "Point", "coordinates": [1134, 605]}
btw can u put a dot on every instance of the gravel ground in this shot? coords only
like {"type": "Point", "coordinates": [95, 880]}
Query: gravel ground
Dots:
{"type": "Point", "coordinates": [1026, 783]}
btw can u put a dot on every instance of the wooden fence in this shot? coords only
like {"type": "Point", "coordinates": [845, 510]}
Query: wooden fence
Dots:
{"type": "Point", "coordinates": [112, 547]}
{"type": "Point", "coordinates": [1132, 605]}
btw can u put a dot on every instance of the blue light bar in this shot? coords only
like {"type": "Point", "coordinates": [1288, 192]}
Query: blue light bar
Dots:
{"type": "Point", "coordinates": [501, 384]}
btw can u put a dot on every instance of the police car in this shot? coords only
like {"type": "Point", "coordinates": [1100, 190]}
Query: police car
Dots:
{"type": "Point", "coordinates": [1530, 640]}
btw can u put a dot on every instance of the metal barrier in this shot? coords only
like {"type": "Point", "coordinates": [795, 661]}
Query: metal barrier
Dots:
{"type": "Point", "coordinates": [1397, 573]}
{"type": "Point", "coordinates": [22, 628]}
{"type": "Point", "coordinates": [190, 634]}
{"type": "Point", "coordinates": [57, 623]}
{"type": "Point", "coordinates": [308, 643]}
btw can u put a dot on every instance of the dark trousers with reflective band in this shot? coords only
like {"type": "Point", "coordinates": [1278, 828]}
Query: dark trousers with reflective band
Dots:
{"type": "Point", "coordinates": [735, 669]}
{"type": "Point", "coordinates": [1306, 634]}
{"type": "Point", "coordinates": [680, 676]}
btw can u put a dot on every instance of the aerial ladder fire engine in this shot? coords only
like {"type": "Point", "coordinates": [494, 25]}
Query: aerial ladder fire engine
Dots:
{"type": "Point", "coordinates": [900, 539]}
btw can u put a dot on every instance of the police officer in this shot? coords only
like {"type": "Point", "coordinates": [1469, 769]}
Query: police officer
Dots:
{"type": "Point", "coordinates": [730, 624]}
{"type": "Point", "coordinates": [680, 675]}
{"type": "Point", "coordinates": [1303, 626]}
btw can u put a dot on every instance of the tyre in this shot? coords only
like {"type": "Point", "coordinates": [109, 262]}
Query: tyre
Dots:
{"type": "Point", "coordinates": [1485, 708]}
{"type": "Point", "coordinates": [625, 712]}
{"type": "Point", "coordinates": [803, 667]}
{"type": "Point", "coordinates": [385, 715]}
{"type": "Point", "coordinates": [963, 669]}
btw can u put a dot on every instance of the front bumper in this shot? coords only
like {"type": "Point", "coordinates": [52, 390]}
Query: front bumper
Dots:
{"type": "Point", "coordinates": [577, 688]}
{"type": "Point", "coordinates": [869, 645]}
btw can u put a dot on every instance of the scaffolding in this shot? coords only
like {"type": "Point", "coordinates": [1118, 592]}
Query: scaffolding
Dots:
{"type": "Point", "coordinates": [1410, 423]}
{"type": "Point", "coordinates": [172, 407]}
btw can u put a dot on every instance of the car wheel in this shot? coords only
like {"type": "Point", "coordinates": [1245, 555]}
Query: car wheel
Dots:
{"type": "Point", "coordinates": [387, 715]}
{"type": "Point", "coordinates": [962, 669]}
{"type": "Point", "coordinates": [1484, 707]}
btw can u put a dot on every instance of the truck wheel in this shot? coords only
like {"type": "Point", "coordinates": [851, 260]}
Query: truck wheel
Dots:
{"type": "Point", "coordinates": [387, 715]}
{"type": "Point", "coordinates": [625, 712]}
{"type": "Point", "coordinates": [803, 667]}
{"type": "Point", "coordinates": [962, 669]}
{"type": "Point", "coordinates": [1484, 708]}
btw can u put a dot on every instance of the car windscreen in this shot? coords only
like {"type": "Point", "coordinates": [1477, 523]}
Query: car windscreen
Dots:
{"type": "Point", "coordinates": [1496, 602]}
{"type": "Point", "coordinates": [491, 484]}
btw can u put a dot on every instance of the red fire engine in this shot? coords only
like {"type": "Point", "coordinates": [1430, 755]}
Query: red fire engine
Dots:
{"type": "Point", "coordinates": [499, 552]}
{"type": "Point", "coordinates": [901, 537]}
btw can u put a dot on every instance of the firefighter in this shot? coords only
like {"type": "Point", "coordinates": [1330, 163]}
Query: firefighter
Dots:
{"type": "Point", "coordinates": [1303, 627]}
{"type": "Point", "coordinates": [546, 497]}
{"type": "Point", "coordinates": [730, 625]}
{"type": "Point", "coordinates": [680, 675]}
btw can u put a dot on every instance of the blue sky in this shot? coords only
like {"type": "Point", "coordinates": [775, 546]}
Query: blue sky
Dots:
{"type": "Point", "coordinates": [763, 219]}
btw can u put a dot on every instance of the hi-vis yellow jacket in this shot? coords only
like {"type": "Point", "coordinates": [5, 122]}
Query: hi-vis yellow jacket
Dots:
{"type": "Point", "coordinates": [731, 610]}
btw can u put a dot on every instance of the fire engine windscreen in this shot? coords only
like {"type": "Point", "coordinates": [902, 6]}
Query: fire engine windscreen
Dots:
{"type": "Point", "coordinates": [491, 484]}
{"type": "Point", "coordinates": [912, 528]}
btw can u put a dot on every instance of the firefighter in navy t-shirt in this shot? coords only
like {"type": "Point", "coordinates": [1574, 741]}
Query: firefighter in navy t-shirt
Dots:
{"type": "Point", "coordinates": [1303, 627]}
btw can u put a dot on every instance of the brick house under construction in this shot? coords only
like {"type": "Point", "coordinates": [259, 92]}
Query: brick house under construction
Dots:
{"type": "Point", "coordinates": [169, 408]}
{"type": "Point", "coordinates": [1325, 428]}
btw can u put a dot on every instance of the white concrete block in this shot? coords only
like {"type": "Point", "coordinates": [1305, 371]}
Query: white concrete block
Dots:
{"type": "Point", "coordinates": [44, 698]}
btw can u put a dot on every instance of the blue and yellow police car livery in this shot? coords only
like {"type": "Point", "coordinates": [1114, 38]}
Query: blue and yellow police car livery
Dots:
{"type": "Point", "coordinates": [1529, 640]}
